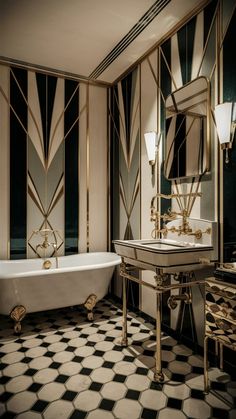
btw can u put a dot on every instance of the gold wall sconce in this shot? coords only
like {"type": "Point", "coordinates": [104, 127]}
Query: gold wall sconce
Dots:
{"type": "Point", "coordinates": [152, 142]}
{"type": "Point", "coordinates": [225, 118]}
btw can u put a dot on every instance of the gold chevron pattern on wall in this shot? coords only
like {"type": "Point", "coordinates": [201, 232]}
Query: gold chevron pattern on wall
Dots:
{"type": "Point", "coordinates": [128, 129]}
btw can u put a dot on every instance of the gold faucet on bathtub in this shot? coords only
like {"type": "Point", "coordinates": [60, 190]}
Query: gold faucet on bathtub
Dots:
{"type": "Point", "coordinates": [45, 232]}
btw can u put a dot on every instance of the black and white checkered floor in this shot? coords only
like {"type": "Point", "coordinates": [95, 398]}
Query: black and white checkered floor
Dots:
{"type": "Point", "coordinates": [62, 366]}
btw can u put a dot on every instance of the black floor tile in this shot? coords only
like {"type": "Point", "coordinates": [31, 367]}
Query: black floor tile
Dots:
{"type": "Point", "coordinates": [61, 378]}
{"type": "Point", "coordinates": [142, 371]}
{"type": "Point", "coordinates": [55, 365]}
{"type": "Point", "coordinates": [149, 414]}
{"type": "Point", "coordinates": [30, 372]}
{"type": "Point", "coordinates": [4, 397]}
{"type": "Point", "coordinates": [197, 394]}
{"type": "Point", "coordinates": [35, 387]}
{"type": "Point", "coordinates": [132, 394]}
{"type": "Point", "coordinates": [86, 371]}
{"type": "Point", "coordinates": [78, 414]}
{"type": "Point", "coordinates": [120, 378]}
{"type": "Point", "coordinates": [69, 395]}
{"type": "Point", "coordinates": [39, 406]}
{"type": "Point", "coordinates": [108, 364]}
{"type": "Point", "coordinates": [95, 386]}
{"type": "Point", "coordinates": [107, 404]}
{"type": "Point", "coordinates": [174, 403]}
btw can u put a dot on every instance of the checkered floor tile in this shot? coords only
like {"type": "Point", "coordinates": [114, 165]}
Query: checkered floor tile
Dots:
{"type": "Point", "coordinates": [62, 366]}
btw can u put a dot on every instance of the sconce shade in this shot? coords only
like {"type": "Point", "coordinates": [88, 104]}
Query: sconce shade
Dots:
{"type": "Point", "coordinates": [223, 118]}
{"type": "Point", "coordinates": [151, 139]}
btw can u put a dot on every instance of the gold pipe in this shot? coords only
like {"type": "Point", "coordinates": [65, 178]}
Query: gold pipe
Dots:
{"type": "Point", "coordinates": [206, 381]}
{"type": "Point", "coordinates": [124, 340]}
{"type": "Point", "coordinates": [158, 374]}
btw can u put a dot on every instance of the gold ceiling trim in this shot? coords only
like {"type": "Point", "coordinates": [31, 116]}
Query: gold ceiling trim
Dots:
{"type": "Point", "coordinates": [52, 72]}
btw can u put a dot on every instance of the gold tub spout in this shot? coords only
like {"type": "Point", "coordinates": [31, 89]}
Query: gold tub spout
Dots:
{"type": "Point", "coordinates": [47, 264]}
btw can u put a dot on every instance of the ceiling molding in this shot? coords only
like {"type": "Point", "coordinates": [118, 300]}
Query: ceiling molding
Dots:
{"type": "Point", "coordinates": [145, 20]}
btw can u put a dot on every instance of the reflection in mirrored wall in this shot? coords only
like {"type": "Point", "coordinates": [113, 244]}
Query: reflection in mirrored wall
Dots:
{"type": "Point", "coordinates": [187, 131]}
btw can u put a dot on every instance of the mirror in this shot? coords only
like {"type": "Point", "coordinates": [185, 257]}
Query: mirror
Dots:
{"type": "Point", "coordinates": [187, 130]}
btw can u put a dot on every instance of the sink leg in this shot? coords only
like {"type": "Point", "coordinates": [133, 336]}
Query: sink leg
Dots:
{"type": "Point", "coordinates": [158, 374]}
{"type": "Point", "coordinates": [124, 340]}
{"type": "Point", "coordinates": [206, 379]}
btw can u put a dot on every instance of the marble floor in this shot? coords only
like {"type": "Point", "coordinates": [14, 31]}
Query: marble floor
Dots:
{"type": "Point", "coordinates": [63, 366]}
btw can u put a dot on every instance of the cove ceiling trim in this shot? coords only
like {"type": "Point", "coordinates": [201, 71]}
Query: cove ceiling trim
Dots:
{"type": "Point", "coordinates": [145, 20]}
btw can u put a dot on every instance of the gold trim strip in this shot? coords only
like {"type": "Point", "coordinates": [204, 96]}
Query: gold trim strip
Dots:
{"type": "Point", "coordinates": [155, 78]}
{"type": "Point", "coordinates": [52, 72]}
{"type": "Point", "coordinates": [87, 166]}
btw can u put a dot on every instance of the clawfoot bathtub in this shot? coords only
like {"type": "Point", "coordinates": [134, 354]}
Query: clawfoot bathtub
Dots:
{"type": "Point", "coordinates": [30, 285]}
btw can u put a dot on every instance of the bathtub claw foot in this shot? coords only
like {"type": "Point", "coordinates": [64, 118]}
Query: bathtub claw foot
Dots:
{"type": "Point", "coordinates": [89, 305]}
{"type": "Point", "coordinates": [17, 314]}
{"type": "Point", "coordinates": [90, 316]}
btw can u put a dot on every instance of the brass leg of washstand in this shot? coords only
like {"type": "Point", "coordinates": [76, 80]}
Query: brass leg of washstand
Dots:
{"type": "Point", "coordinates": [124, 340]}
{"type": "Point", "coordinates": [158, 375]}
{"type": "Point", "coordinates": [206, 379]}
{"type": "Point", "coordinates": [221, 357]}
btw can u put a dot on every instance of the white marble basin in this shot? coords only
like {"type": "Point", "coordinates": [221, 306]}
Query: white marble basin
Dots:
{"type": "Point", "coordinates": [174, 255]}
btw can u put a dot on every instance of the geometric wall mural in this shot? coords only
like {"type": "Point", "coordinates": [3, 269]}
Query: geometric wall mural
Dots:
{"type": "Point", "coordinates": [125, 125]}
{"type": "Point", "coordinates": [44, 141]}
{"type": "Point", "coordinates": [125, 163]}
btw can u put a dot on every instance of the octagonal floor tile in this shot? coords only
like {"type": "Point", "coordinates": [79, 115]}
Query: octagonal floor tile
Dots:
{"type": "Point", "coordinates": [18, 384]}
{"type": "Point", "coordinates": [125, 368]}
{"type": "Point", "coordinates": [21, 402]}
{"type": "Point", "coordinates": [16, 369]}
{"type": "Point", "coordinates": [152, 400]}
{"type": "Point", "coordinates": [92, 362]}
{"type": "Point", "coordinates": [113, 390]}
{"type": "Point", "coordinates": [196, 408]}
{"type": "Point", "coordinates": [78, 383]}
{"type": "Point", "coordinates": [45, 376]}
{"type": "Point", "coordinates": [113, 356]}
{"type": "Point", "coordinates": [12, 357]}
{"type": "Point", "coordinates": [100, 414]}
{"type": "Point", "coordinates": [58, 409]}
{"type": "Point", "coordinates": [70, 368]}
{"type": "Point", "coordinates": [87, 400]}
{"type": "Point", "coordinates": [126, 409]}
{"type": "Point", "coordinates": [64, 356]}
{"type": "Point", "coordinates": [40, 362]}
{"type": "Point", "coordinates": [102, 375]}
{"type": "Point", "coordinates": [177, 391]}
{"type": "Point", "coordinates": [51, 391]}
{"type": "Point", "coordinates": [138, 382]}
{"type": "Point", "coordinates": [179, 367]}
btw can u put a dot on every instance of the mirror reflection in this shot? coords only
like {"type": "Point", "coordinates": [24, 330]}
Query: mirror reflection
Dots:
{"type": "Point", "coordinates": [187, 131]}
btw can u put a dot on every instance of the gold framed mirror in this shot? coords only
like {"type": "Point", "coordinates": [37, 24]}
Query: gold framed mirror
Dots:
{"type": "Point", "coordinates": [187, 130]}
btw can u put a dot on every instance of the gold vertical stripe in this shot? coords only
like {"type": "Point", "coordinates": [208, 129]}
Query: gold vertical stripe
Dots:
{"type": "Point", "coordinates": [140, 155]}
{"type": "Point", "coordinates": [108, 175]}
{"type": "Point", "coordinates": [87, 165]}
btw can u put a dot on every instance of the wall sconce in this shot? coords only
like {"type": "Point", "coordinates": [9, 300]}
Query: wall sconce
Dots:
{"type": "Point", "coordinates": [225, 125]}
{"type": "Point", "coordinates": [152, 141]}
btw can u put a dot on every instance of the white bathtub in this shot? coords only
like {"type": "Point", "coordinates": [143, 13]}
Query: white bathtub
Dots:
{"type": "Point", "coordinates": [26, 283]}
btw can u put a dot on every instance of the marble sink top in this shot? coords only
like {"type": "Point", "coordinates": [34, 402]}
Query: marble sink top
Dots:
{"type": "Point", "coordinates": [163, 253]}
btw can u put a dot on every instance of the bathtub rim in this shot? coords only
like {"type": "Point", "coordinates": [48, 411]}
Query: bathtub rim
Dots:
{"type": "Point", "coordinates": [88, 267]}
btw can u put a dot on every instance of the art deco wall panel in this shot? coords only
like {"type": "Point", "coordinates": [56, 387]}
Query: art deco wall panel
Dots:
{"type": "Point", "coordinates": [4, 159]}
{"type": "Point", "coordinates": [40, 131]}
{"type": "Point", "coordinates": [40, 114]}
{"type": "Point", "coordinates": [125, 134]}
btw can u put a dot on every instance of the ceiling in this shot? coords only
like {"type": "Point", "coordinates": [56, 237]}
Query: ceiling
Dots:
{"type": "Point", "coordinates": [93, 39]}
